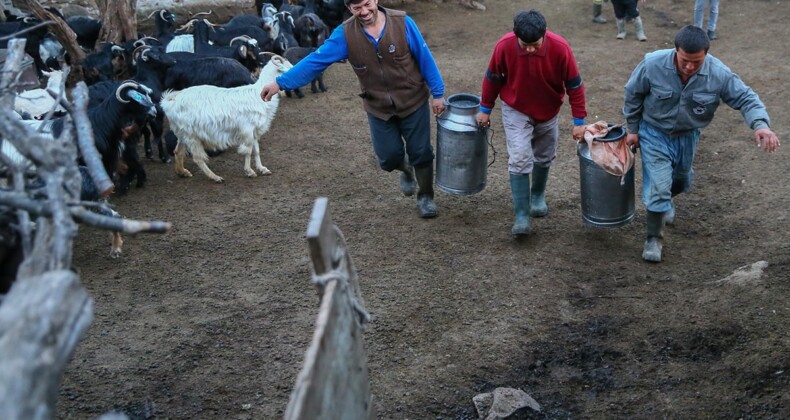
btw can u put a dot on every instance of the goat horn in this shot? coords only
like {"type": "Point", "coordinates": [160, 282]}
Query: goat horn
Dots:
{"type": "Point", "coordinates": [244, 38]}
{"type": "Point", "coordinates": [139, 50]}
{"type": "Point", "coordinates": [187, 26]}
{"type": "Point", "coordinates": [162, 14]}
{"type": "Point", "coordinates": [149, 38]}
{"type": "Point", "coordinates": [124, 85]}
{"type": "Point", "coordinates": [202, 13]}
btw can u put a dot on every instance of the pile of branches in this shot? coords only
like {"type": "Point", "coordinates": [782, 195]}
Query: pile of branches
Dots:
{"type": "Point", "coordinates": [46, 311]}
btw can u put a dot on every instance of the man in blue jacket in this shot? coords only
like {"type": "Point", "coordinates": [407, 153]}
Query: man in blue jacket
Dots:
{"type": "Point", "coordinates": [672, 95]}
{"type": "Point", "coordinates": [397, 75]}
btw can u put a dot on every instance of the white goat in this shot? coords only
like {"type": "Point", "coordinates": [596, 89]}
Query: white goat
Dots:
{"type": "Point", "coordinates": [36, 102]}
{"type": "Point", "coordinates": [209, 117]}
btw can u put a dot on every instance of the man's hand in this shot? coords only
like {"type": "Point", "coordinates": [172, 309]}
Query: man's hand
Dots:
{"type": "Point", "coordinates": [437, 104]}
{"type": "Point", "coordinates": [269, 90]}
{"type": "Point", "coordinates": [632, 140]}
{"type": "Point", "coordinates": [578, 132]}
{"type": "Point", "coordinates": [483, 119]}
{"type": "Point", "coordinates": [766, 139]}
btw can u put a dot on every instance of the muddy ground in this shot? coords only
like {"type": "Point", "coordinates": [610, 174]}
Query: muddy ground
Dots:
{"type": "Point", "coordinates": [212, 319]}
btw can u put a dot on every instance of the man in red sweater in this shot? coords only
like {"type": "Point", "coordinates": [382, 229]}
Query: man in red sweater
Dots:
{"type": "Point", "coordinates": [531, 69]}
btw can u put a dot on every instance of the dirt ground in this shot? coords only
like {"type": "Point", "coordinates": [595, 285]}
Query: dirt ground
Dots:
{"type": "Point", "coordinates": [212, 320]}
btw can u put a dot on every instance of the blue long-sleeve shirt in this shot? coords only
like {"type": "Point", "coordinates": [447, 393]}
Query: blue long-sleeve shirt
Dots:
{"type": "Point", "coordinates": [654, 93]}
{"type": "Point", "coordinates": [335, 49]}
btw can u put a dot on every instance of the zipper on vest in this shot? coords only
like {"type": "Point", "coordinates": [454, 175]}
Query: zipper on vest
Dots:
{"type": "Point", "coordinates": [384, 79]}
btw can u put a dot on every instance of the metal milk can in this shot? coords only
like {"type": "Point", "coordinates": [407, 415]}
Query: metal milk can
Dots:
{"type": "Point", "coordinates": [605, 200]}
{"type": "Point", "coordinates": [461, 147]}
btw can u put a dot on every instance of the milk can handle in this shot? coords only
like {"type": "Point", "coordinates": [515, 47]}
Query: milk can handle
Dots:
{"type": "Point", "coordinates": [489, 139]}
{"type": "Point", "coordinates": [489, 136]}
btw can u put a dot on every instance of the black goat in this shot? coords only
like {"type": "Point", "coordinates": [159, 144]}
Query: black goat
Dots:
{"type": "Point", "coordinates": [87, 30]}
{"type": "Point", "coordinates": [286, 37]}
{"type": "Point", "coordinates": [152, 64]}
{"type": "Point", "coordinates": [224, 35]}
{"type": "Point", "coordinates": [33, 38]}
{"type": "Point", "coordinates": [295, 55]}
{"type": "Point", "coordinates": [194, 69]}
{"type": "Point", "coordinates": [332, 12]}
{"type": "Point", "coordinates": [310, 30]}
{"type": "Point", "coordinates": [114, 119]}
{"type": "Point", "coordinates": [247, 52]}
{"type": "Point", "coordinates": [100, 65]}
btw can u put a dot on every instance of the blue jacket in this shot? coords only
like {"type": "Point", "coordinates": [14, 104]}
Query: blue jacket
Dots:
{"type": "Point", "coordinates": [654, 93]}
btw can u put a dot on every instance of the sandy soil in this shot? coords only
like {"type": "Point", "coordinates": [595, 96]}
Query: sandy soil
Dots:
{"type": "Point", "coordinates": [212, 319]}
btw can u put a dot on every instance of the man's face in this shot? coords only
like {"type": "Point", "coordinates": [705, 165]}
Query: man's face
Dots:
{"type": "Point", "coordinates": [365, 11]}
{"type": "Point", "coordinates": [688, 64]}
{"type": "Point", "coordinates": [530, 47]}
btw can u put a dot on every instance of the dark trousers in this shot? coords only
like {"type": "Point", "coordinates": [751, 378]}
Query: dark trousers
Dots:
{"type": "Point", "coordinates": [396, 136]}
{"type": "Point", "coordinates": [623, 8]}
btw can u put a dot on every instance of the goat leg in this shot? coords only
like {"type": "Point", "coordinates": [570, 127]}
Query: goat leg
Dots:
{"type": "Point", "coordinates": [203, 167]}
{"type": "Point", "coordinates": [321, 85]}
{"type": "Point", "coordinates": [117, 243]}
{"type": "Point", "coordinates": [180, 153]}
{"type": "Point", "coordinates": [157, 129]}
{"type": "Point", "coordinates": [256, 150]}
{"type": "Point", "coordinates": [247, 168]}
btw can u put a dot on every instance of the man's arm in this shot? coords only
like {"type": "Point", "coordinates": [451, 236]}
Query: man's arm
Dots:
{"type": "Point", "coordinates": [740, 97]}
{"type": "Point", "coordinates": [422, 54]}
{"type": "Point", "coordinates": [637, 87]}
{"type": "Point", "coordinates": [333, 50]}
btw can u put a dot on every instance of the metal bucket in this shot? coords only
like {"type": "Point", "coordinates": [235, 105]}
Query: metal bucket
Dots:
{"type": "Point", "coordinates": [605, 201]}
{"type": "Point", "coordinates": [461, 147]}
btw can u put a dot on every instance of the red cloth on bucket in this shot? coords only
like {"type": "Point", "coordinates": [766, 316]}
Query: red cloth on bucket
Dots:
{"type": "Point", "coordinates": [614, 157]}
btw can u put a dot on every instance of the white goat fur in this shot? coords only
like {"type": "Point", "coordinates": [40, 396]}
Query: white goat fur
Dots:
{"type": "Point", "coordinates": [209, 117]}
{"type": "Point", "coordinates": [37, 101]}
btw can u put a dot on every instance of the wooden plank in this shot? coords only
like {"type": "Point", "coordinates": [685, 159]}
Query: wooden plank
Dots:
{"type": "Point", "coordinates": [320, 238]}
{"type": "Point", "coordinates": [41, 321]}
{"type": "Point", "coordinates": [333, 382]}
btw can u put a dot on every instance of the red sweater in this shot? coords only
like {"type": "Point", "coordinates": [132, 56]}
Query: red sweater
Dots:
{"type": "Point", "coordinates": [534, 84]}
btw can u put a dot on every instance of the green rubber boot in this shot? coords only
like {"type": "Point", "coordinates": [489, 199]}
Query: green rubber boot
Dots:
{"type": "Point", "coordinates": [519, 189]}
{"type": "Point", "coordinates": [538, 207]}
{"type": "Point", "coordinates": [597, 18]}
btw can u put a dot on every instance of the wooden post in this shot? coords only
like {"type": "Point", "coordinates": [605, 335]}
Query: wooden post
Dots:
{"type": "Point", "coordinates": [333, 383]}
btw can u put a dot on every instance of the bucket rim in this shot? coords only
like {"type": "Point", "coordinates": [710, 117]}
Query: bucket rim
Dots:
{"type": "Point", "coordinates": [614, 134]}
{"type": "Point", "coordinates": [466, 97]}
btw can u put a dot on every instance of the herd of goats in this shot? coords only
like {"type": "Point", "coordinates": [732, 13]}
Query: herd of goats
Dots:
{"type": "Point", "coordinates": [186, 90]}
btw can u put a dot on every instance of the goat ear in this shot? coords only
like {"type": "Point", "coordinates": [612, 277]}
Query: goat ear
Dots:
{"type": "Point", "coordinates": [243, 51]}
{"type": "Point", "coordinates": [139, 98]}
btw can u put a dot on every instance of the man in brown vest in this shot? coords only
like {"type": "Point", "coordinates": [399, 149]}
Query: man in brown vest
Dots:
{"type": "Point", "coordinates": [397, 74]}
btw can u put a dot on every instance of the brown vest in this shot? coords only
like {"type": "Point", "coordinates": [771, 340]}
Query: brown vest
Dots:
{"type": "Point", "coordinates": [390, 78]}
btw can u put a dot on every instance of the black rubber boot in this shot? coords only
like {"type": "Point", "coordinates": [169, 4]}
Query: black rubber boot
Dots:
{"type": "Point", "coordinates": [654, 225]}
{"type": "Point", "coordinates": [424, 175]}
{"type": "Point", "coordinates": [538, 207]}
{"type": "Point", "coordinates": [519, 189]}
{"type": "Point", "coordinates": [408, 185]}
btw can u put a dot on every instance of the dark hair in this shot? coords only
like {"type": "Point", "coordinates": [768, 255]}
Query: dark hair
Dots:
{"type": "Point", "coordinates": [529, 25]}
{"type": "Point", "coordinates": [692, 39]}
{"type": "Point", "coordinates": [347, 2]}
